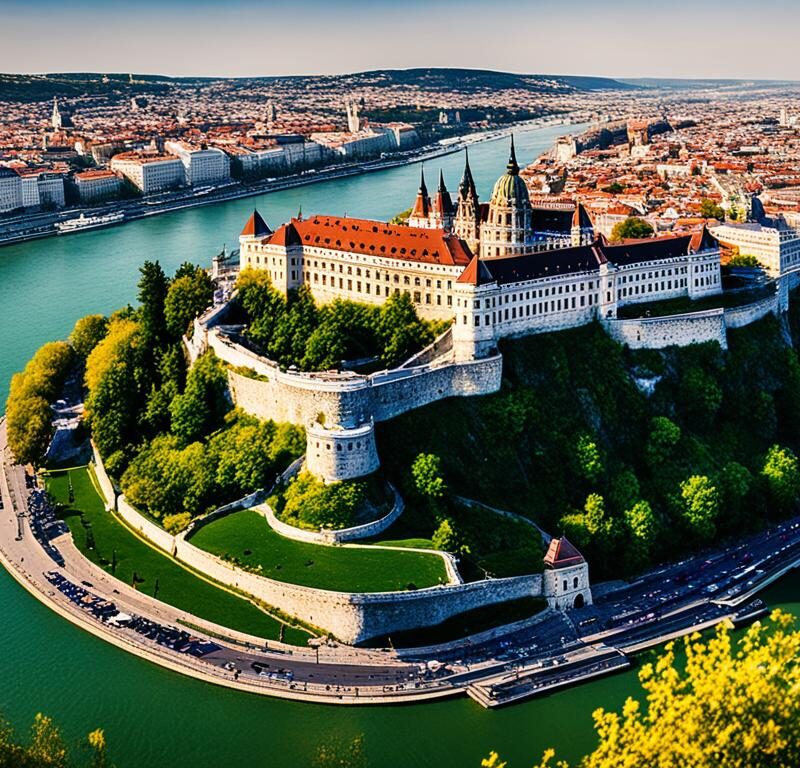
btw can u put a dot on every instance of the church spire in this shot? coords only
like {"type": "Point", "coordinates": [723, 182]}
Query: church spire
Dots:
{"type": "Point", "coordinates": [512, 167]}
{"type": "Point", "coordinates": [467, 186]}
{"type": "Point", "coordinates": [423, 190]}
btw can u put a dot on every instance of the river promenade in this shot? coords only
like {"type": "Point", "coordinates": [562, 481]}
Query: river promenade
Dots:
{"type": "Point", "coordinates": [501, 666]}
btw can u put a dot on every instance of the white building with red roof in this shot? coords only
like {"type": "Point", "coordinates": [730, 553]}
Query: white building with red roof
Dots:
{"type": "Point", "coordinates": [566, 576]}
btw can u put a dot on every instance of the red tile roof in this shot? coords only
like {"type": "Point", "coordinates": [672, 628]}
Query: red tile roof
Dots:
{"type": "Point", "coordinates": [374, 238]}
{"type": "Point", "coordinates": [256, 226]}
{"type": "Point", "coordinates": [561, 554]}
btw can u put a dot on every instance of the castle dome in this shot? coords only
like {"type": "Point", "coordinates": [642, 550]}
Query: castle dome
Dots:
{"type": "Point", "coordinates": [510, 190]}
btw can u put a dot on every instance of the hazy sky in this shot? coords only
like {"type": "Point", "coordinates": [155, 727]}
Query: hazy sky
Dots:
{"type": "Point", "coordinates": [624, 38]}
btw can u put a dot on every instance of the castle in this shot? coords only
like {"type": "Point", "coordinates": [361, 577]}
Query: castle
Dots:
{"type": "Point", "coordinates": [496, 270]}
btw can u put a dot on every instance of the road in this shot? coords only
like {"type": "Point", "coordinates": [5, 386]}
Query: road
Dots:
{"type": "Point", "coordinates": [673, 600]}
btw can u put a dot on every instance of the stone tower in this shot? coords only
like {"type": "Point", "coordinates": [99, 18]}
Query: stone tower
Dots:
{"type": "Point", "coordinates": [421, 212]}
{"type": "Point", "coordinates": [566, 576]}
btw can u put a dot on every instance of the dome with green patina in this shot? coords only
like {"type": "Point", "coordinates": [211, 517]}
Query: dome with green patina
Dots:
{"type": "Point", "coordinates": [510, 185]}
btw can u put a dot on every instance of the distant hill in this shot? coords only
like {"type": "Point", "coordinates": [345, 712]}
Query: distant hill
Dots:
{"type": "Point", "coordinates": [65, 85]}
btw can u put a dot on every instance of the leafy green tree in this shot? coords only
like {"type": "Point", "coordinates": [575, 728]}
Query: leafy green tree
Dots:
{"type": "Point", "coordinates": [735, 482]}
{"type": "Point", "coordinates": [187, 296]}
{"type": "Point", "coordinates": [262, 302]}
{"type": "Point", "coordinates": [731, 703]}
{"type": "Point", "coordinates": [782, 477]}
{"type": "Point", "coordinates": [428, 479]}
{"type": "Point", "coordinates": [700, 504]}
{"type": "Point", "coordinates": [632, 228]}
{"type": "Point", "coordinates": [624, 491]}
{"type": "Point", "coordinates": [28, 414]}
{"type": "Point", "coordinates": [711, 210]}
{"type": "Point", "coordinates": [114, 389]}
{"type": "Point", "coordinates": [87, 334]}
{"type": "Point", "coordinates": [643, 527]}
{"type": "Point", "coordinates": [590, 460]}
{"type": "Point", "coordinates": [701, 397]}
{"type": "Point", "coordinates": [153, 287]}
{"type": "Point", "coordinates": [400, 330]}
{"type": "Point", "coordinates": [448, 538]}
{"type": "Point", "coordinates": [664, 436]}
{"type": "Point", "coordinates": [203, 404]}
{"type": "Point", "coordinates": [310, 503]}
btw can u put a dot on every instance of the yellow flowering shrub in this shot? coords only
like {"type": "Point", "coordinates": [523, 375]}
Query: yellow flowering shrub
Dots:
{"type": "Point", "coordinates": [731, 704]}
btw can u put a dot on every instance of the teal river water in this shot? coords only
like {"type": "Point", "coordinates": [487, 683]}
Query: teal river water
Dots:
{"type": "Point", "coordinates": [159, 719]}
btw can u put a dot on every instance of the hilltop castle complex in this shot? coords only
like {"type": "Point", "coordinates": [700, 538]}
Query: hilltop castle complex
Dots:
{"type": "Point", "coordinates": [498, 269]}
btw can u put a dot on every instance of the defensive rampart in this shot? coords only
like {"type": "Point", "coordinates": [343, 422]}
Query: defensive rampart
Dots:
{"type": "Point", "coordinates": [351, 617]}
{"type": "Point", "coordinates": [669, 330]}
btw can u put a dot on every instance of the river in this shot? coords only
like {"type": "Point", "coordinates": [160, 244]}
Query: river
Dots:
{"type": "Point", "coordinates": [159, 719]}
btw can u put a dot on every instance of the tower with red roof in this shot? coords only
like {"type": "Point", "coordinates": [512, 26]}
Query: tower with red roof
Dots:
{"type": "Point", "coordinates": [566, 576]}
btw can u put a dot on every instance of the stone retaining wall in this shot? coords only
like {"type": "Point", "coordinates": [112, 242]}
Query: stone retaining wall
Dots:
{"type": "Point", "coordinates": [337, 536]}
{"type": "Point", "coordinates": [738, 317]}
{"type": "Point", "coordinates": [348, 400]}
{"type": "Point", "coordinates": [351, 617]}
{"type": "Point", "coordinates": [669, 330]}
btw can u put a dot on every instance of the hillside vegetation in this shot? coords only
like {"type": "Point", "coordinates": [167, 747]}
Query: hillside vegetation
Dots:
{"type": "Point", "coordinates": [573, 443]}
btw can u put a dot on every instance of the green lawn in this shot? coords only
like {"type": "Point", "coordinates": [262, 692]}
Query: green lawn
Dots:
{"type": "Point", "coordinates": [246, 537]}
{"type": "Point", "coordinates": [122, 553]}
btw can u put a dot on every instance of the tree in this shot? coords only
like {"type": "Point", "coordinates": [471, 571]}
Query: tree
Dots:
{"type": "Point", "coordinates": [115, 394]}
{"type": "Point", "coordinates": [664, 436]}
{"type": "Point", "coordinates": [782, 477]}
{"type": "Point", "coordinates": [400, 330]}
{"type": "Point", "coordinates": [701, 397]}
{"type": "Point", "coordinates": [87, 334]}
{"type": "Point", "coordinates": [711, 210]}
{"type": "Point", "coordinates": [590, 461]}
{"type": "Point", "coordinates": [448, 538]}
{"type": "Point", "coordinates": [153, 286]}
{"type": "Point", "coordinates": [203, 404]}
{"type": "Point", "coordinates": [46, 747]}
{"type": "Point", "coordinates": [732, 703]}
{"type": "Point", "coordinates": [700, 505]}
{"type": "Point", "coordinates": [28, 413]}
{"type": "Point", "coordinates": [187, 296]}
{"type": "Point", "coordinates": [310, 503]}
{"type": "Point", "coordinates": [427, 473]}
{"type": "Point", "coordinates": [632, 228]}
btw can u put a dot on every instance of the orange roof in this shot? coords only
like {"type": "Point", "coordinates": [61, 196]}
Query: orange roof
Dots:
{"type": "Point", "coordinates": [374, 238]}
{"type": "Point", "coordinates": [561, 554]}
{"type": "Point", "coordinates": [256, 226]}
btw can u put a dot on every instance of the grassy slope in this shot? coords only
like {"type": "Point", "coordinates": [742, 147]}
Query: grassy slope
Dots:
{"type": "Point", "coordinates": [313, 565]}
{"type": "Point", "coordinates": [176, 586]}
{"type": "Point", "coordinates": [517, 449]}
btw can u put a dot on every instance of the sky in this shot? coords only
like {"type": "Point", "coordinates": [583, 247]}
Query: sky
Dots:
{"type": "Point", "coordinates": [751, 39]}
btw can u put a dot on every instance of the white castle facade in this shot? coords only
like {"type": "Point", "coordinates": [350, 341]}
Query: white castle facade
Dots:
{"type": "Point", "coordinates": [489, 268]}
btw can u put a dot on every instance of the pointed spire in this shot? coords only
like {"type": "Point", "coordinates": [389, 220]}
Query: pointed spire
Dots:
{"type": "Point", "coordinates": [256, 226]}
{"type": "Point", "coordinates": [300, 213]}
{"type": "Point", "coordinates": [422, 204]}
{"type": "Point", "coordinates": [467, 186]}
{"type": "Point", "coordinates": [443, 203]}
{"type": "Point", "coordinates": [442, 187]}
{"type": "Point", "coordinates": [423, 190]}
{"type": "Point", "coordinates": [512, 167]}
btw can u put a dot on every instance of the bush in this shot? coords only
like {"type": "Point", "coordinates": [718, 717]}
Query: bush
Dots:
{"type": "Point", "coordinates": [309, 503]}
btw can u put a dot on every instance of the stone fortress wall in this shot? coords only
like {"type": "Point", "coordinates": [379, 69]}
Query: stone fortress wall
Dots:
{"type": "Point", "coordinates": [694, 327]}
{"type": "Point", "coordinates": [352, 617]}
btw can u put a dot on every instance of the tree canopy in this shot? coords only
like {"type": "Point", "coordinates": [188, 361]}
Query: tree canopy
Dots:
{"type": "Point", "coordinates": [293, 330]}
{"type": "Point", "coordinates": [720, 702]}
{"type": "Point", "coordinates": [631, 229]}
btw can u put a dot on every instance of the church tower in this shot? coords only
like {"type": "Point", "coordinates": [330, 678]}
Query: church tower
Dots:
{"type": "Point", "coordinates": [421, 212]}
{"type": "Point", "coordinates": [508, 226]}
{"type": "Point", "coordinates": [443, 211]}
{"type": "Point", "coordinates": [467, 224]}
{"type": "Point", "coordinates": [582, 230]}
{"type": "Point", "coordinates": [55, 117]}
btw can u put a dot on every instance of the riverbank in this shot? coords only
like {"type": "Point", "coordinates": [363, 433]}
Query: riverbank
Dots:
{"type": "Point", "coordinates": [505, 665]}
{"type": "Point", "coordinates": [139, 209]}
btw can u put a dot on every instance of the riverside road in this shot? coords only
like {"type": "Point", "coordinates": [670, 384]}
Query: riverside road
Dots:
{"type": "Point", "coordinates": [495, 667]}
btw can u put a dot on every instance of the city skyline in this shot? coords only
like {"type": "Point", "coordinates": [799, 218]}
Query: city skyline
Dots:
{"type": "Point", "coordinates": [720, 40]}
